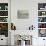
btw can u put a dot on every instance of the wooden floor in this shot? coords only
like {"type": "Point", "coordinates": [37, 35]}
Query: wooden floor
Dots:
{"type": "Point", "coordinates": [3, 45]}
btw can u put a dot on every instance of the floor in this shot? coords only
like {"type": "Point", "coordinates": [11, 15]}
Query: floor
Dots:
{"type": "Point", "coordinates": [3, 45]}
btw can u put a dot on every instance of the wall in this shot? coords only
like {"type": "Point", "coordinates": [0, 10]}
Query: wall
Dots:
{"type": "Point", "coordinates": [31, 6]}
{"type": "Point", "coordinates": [23, 24]}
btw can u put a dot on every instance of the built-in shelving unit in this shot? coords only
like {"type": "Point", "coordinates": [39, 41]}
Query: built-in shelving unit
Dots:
{"type": "Point", "coordinates": [42, 19]}
{"type": "Point", "coordinates": [4, 19]}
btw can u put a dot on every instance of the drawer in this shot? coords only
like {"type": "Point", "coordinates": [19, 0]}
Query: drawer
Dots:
{"type": "Point", "coordinates": [3, 41]}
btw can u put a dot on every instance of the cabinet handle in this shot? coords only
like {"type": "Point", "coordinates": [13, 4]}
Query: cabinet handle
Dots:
{"type": "Point", "coordinates": [43, 39]}
{"type": "Point", "coordinates": [1, 39]}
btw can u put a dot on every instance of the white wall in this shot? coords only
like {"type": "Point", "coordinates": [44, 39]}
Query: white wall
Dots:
{"type": "Point", "coordinates": [23, 24]}
{"type": "Point", "coordinates": [31, 6]}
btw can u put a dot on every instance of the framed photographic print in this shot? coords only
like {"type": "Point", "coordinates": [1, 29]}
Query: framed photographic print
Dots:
{"type": "Point", "coordinates": [22, 14]}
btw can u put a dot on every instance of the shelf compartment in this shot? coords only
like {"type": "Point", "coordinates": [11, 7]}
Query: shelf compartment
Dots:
{"type": "Point", "coordinates": [41, 19]}
{"type": "Point", "coordinates": [3, 6]}
{"type": "Point", "coordinates": [3, 26]}
{"type": "Point", "coordinates": [4, 29]}
{"type": "Point", "coordinates": [3, 19]}
{"type": "Point", "coordinates": [41, 25]}
{"type": "Point", "coordinates": [41, 13]}
{"type": "Point", "coordinates": [4, 32]}
{"type": "Point", "coordinates": [41, 6]}
{"type": "Point", "coordinates": [3, 13]}
{"type": "Point", "coordinates": [42, 32]}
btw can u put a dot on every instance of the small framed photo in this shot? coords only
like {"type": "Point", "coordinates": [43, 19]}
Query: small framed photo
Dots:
{"type": "Point", "coordinates": [22, 14]}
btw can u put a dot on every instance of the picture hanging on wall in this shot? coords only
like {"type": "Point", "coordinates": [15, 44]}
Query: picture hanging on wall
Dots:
{"type": "Point", "coordinates": [22, 14]}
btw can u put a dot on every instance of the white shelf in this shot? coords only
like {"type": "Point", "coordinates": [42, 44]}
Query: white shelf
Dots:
{"type": "Point", "coordinates": [41, 22]}
{"type": "Point", "coordinates": [41, 10]}
{"type": "Point", "coordinates": [3, 10]}
{"type": "Point", "coordinates": [41, 28]}
{"type": "Point", "coordinates": [3, 16]}
{"type": "Point", "coordinates": [42, 16]}
{"type": "Point", "coordinates": [3, 22]}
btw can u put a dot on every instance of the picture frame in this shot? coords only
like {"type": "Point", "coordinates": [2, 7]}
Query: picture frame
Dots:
{"type": "Point", "coordinates": [22, 14]}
